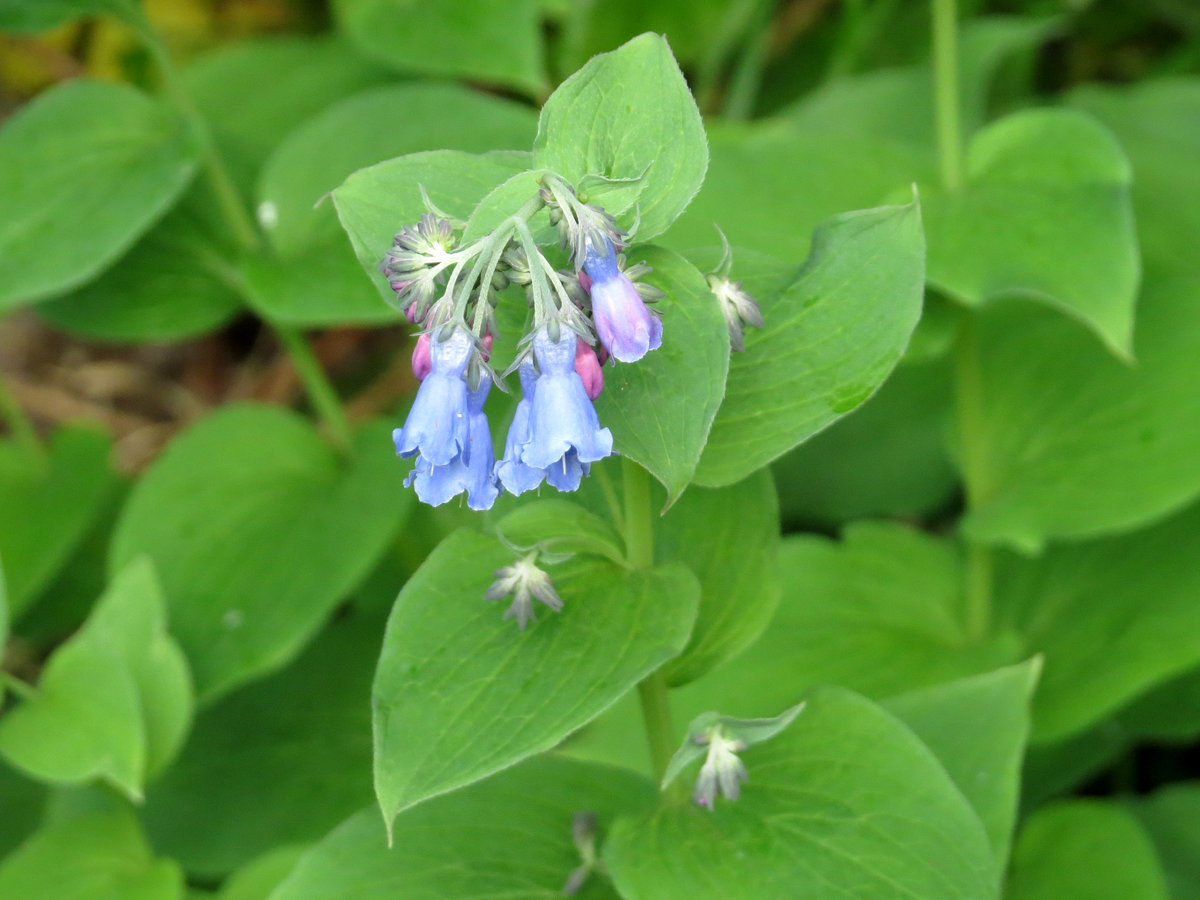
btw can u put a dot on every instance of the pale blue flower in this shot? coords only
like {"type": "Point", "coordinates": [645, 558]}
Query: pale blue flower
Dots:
{"type": "Point", "coordinates": [627, 329]}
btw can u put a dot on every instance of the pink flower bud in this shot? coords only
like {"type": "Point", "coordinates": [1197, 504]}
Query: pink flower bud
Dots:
{"type": "Point", "coordinates": [411, 312]}
{"type": "Point", "coordinates": [422, 362]}
{"type": "Point", "coordinates": [587, 366]}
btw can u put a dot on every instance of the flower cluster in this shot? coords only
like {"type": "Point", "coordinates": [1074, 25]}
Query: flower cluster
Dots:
{"type": "Point", "coordinates": [582, 316]}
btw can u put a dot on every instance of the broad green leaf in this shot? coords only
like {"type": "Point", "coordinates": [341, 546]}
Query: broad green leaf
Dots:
{"type": "Point", "coordinates": [1084, 848]}
{"type": "Point", "coordinates": [977, 727]}
{"type": "Point", "coordinates": [26, 16]}
{"type": "Point", "coordinates": [89, 166]}
{"type": "Point", "coordinates": [23, 801]}
{"type": "Point", "coordinates": [1171, 815]}
{"type": "Point", "coordinates": [887, 458]}
{"type": "Point", "coordinates": [279, 761]}
{"type": "Point", "coordinates": [1113, 618]}
{"type": "Point", "coordinates": [460, 693]}
{"type": "Point", "coordinates": [259, 878]}
{"type": "Point", "coordinates": [560, 526]}
{"type": "Point", "coordinates": [689, 367]}
{"type": "Point", "coordinates": [510, 836]}
{"type": "Point", "coordinates": [114, 702]}
{"type": "Point", "coordinates": [626, 114]}
{"type": "Point", "coordinates": [331, 292]}
{"type": "Point", "coordinates": [1158, 124]}
{"type": "Point", "coordinates": [691, 27]}
{"type": "Point", "coordinates": [471, 39]}
{"type": "Point", "coordinates": [281, 532]}
{"type": "Point", "coordinates": [1045, 214]}
{"type": "Point", "coordinates": [254, 92]}
{"type": "Point", "coordinates": [1168, 713]}
{"type": "Point", "coordinates": [885, 821]}
{"type": "Point", "coordinates": [831, 338]}
{"type": "Point", "coordinates": [730, 538]}
{"type": "Point", "coordinates": [172, 284]}
{"type": "Point", "coordinates": [49, 507]}
{"type": "Point", "coordinates": [374, 203]}
{"type": "Point", "coordinates": [1054, 403]}
{"type": "Point", "coordinates": [92, 857]}
{"type": "Point", "coordinates": [376, 124]}
{"type": "Point", "coordinates": [1053, 770]}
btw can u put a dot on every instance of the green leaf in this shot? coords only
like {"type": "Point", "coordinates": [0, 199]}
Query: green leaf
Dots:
{"type": "Point", "coordinates": [23, 16]}
{"type": "Point", "coordinates": [1054, 402]}
{"type": "Point", "coordinates": [626, 114]}
{"type": "Point", "coordinates": [114, 702]}
{"type": "Point", "coordinates": [1158, 124]}
{"type": "Point", "coordinates": [472, 39]}
{"type": "Point", "coordinates": [1172, 817]}
{"type": "Point", "coordinates": [1170, 713]}
{"type": "Point", "coordinates": [887, 458]}
{"type": "Point", "coordinates": [460, 694]}
{"type": "Point", "coordinates": [885, 821]}
{"type": "Point", "coordinates": [296, 742]}
{"type": "Point", "coordinates": [49, 507]}
{"type": "Point", "coordinates": [259, 878]}
{"type": "Point", "coordinates": [171, 285]}
{"type": "Point", "coordinates": [1113, 618]}
{"type": "Point", "coordinates": [560, 526]}
{"type": "Point", "coordinates": [977, 727]}
{"type": "Point", "coordinates": [374, 203]}
{"type": "Point", "coordinates": [23, 801]}
{"type": "Point", "coordinates": [1084, 848]}
{"type": "Point", "coordinates": [831, 338]}
{"type": "Point", "coordinates": [509, 836]}
{"type": "Point", "coordinates": [92, 857]}
{"type": "Point", "coordinates": [4, 618]}
{"type": "Point", "coordinates": [282, 530]}
{"type": "Point", "coordinates": [690, 366]}
{"type": "Point", "coordinates": [331, 292]}
{"type": "Point", "coordinates": [730, 538]}
{"type": "Point", "coordinates": [1045, 214]}
{"type": "Point", "coordinates": [84, 170]}
{"type": "Point", "coordinates": [1055, 769]}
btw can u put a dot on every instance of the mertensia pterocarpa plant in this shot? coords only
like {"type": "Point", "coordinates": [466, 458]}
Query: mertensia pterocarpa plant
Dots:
{"type": "Point", "coordinates": [584, 551]}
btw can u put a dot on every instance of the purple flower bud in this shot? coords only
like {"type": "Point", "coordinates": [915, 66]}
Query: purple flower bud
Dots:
{"type": "Point", "coordinates": [422, 363]}
{"type": "Point", "coordinates": [627, 329]}
{"type": "Point", "coordinates": [588, 368]}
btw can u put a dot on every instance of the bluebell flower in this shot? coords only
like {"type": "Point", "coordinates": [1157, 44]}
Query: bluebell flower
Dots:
{"type": "Point", "coordinates": [627, 329]}
{"type": "Point", "coordinates": [471, 470]}
{"type": "Point", "coordinates": [517, 477]}
{"type": "Point", "coordinates": [436, 427]}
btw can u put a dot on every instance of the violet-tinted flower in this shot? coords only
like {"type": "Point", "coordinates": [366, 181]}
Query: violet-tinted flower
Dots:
{"type": "Point", "coordinates": [589, 370]}
{"type": "Point", "coordinates": [517, 477]}
{"type": "Point", "coordinates": [437, 426]}
{"type": "Point", "coordinates": [471, 470]}
{"type": "Point", "coordinates": [626, 327]}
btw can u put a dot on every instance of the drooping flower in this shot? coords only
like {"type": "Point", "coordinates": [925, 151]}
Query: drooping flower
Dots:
{"type": "Point", "coordinates": [526, 582]}
{"type": "Point", "coordinates": [437, 426]}
{"type": "Point", "coordinates": [564, 431]}
{"type": "Point", "coordinates": [517, 477]}
{"type": "Point", "coordinates": [722, 770]}
{"type": "Point", "coordinates": [627, 329]}
{"type": "Point", "coordinates": [738, 306]}
{"type": "Point", "coordinates": [471, 470]}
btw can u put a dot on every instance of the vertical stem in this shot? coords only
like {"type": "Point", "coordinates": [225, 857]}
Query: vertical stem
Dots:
{"type": "Point", "coordinates": [320, 392]}
{"type": "Point", "coordinates": [748, 71]}
{"type": "Point", "coordinates": [19, 424]}
{"type": "Point", "coordinates": [639, 550]}
{"type": "Point", "coordinates": [946, 102]}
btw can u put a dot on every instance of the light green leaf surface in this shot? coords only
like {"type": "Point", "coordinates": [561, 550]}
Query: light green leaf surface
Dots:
{"type": "Point", "coordinates": [1056, 405]}
{"type": "Point", "coordinates": [279, 761]}
{"type": "Point", "coordinates": [977, 727]}
{"type": "Point", "coordinates": [49, 507]}
{"type": "Point", "coordinates": [1045, 214]}
{"type": "Point", "coordinates": [730, 538]}
{"type": "Point", "coordinates": [115, 701]}
{"type": "Point", "coordinates": [831, 338]}
{"type": "Point", "coordinates": [1084, 849]}
{"type": "Point", "coordinates": [626, 114]}
{"type": "Point", "coordinates": [690, 367]}
{"type": "Point", "coordinates": [258, 879]}
{"type": "Point", "coordinates": [281, 532]}
{"type": "Point", "coordinates": [471, 39]}
{"type": "Point", "coordinates": [460, 693]}
{"type": "Point", "coordinates": [101, 856]}
{"type": "Point", "coordinates": [846, 802]}
{"type": "Point", "coordinates": [509, 836]}
{"type": "Point", "coordinates": [88, 165]}
{"type": "Point", "coordinates": [1171, 815]}
{"type": "Point", "coordinates": [374, 203]}
{"type": "Point", "coordinates": [560, 526]}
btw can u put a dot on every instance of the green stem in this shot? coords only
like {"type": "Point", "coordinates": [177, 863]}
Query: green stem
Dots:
{"type": "Point", "coordinates": [320, 392]}
{"type": "Point", "coordinates": [639, 550]}
{"type": "Point", "coordinates": [972, 436]}
{"type": "Point", "coordinates": [946, 102]}
{"type": "Point", "coordinates": [22, 689]}
{"type": "Point", "coordinates": [19, 423]}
